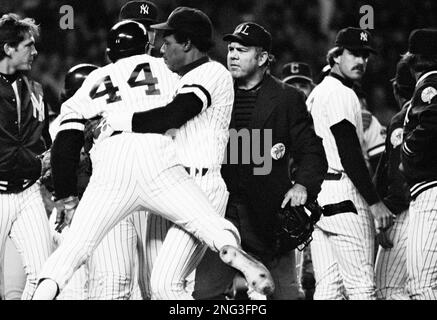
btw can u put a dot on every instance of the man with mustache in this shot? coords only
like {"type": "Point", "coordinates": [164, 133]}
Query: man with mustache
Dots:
{"type": "Point", "coordinates": [343, 244]}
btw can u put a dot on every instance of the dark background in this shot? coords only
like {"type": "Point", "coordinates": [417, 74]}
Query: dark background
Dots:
{"type": "Point", "coordinates": [302, 30]}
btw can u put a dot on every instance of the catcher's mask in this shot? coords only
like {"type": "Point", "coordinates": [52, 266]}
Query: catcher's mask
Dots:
{"type": "Point", "coordinates": [295, 226]}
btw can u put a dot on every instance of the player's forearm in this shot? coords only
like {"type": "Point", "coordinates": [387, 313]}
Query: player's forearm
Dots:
{"type": "Point", "coordinates": [64, 161]}
{"type": "Point", "coordinates": [183, 108]}
{"type": "Point", "coordinates": [353, 161]}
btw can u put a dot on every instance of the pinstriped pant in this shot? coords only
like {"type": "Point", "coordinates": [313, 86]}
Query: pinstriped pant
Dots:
{"type": "Point", "coordinates": [391, 263]}
{"type": "Point", "coordinates": [422, 246]}
{"type": "Point", "coordinates": [179, 254]}
{"type": "Point", "coordinates": [343, 247]}
{"type": "Point", "coordinates": [24, 219]}
{"type": "Point", "coordinates": [120, 184]}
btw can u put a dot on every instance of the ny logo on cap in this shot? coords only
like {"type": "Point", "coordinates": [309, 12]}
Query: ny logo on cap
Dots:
{"type": "Point", "coordinates": [363, 36]}
{"type": "Point", "coordinates": [294, 67]}
{"type": "Point", "coordinates": [242, 29]}
{"type": "Point", "coordinates": [144, 9]}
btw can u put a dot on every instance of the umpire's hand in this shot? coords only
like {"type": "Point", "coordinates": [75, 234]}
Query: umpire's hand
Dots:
{"type": "Point", "coordinates": [297, 196]}
{"type": "Point", "coordinates": [382, 215]}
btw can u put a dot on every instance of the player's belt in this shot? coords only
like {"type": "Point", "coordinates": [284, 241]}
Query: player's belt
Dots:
{"type": "Point", "coordinates": [333, 176]}
{"type": "Point", "coordinates": [196, 171]}
{"type": "Point", "coordinates": [15, 186]}
{"type": "Point", "coordinates": [340, 207]}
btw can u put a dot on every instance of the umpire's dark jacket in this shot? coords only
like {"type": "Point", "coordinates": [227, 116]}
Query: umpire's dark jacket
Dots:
{"type": "Point", "coordinates": [282, 109]}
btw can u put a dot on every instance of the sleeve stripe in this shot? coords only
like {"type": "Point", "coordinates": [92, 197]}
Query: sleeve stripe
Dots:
{"type": "Point", "coordinates": [72, 126]}
{"type": "Point", "coordinates": [200, 88]}
{"type": "Point", "coordinates": [407, 150]}
{"type": "Point", "coordinates": [82, 121]}
{"type": "Point", "coordinates": [376, 150]}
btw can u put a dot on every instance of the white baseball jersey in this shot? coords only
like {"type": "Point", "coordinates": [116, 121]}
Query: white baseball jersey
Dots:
{"type": "Point", "coordinates": [374, 137]}
{"type": "Point", "coordinates": [329, 103]}
{"type": "Point", "coordinates": [343, 244]}
{"type": "Point", "coordinates": [130, 170]}
{"type": "Point", "coordinates": [200, 143]}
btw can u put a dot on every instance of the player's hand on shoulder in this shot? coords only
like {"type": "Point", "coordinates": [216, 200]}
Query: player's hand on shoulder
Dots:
{"type": "Point", "coordinates": [382, 216]}
{"type": "Point", "coordinates": [297, 196]}
{"type": "Point", "coordinates": [119, 120]}
{"type": "Point", "coordinates": [65, 211]}
{"type": "Point", "coordinates": [102, 130]}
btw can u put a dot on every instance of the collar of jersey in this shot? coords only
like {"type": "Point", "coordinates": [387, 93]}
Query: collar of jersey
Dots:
{"type": "Point", "coordinates": [346, 82]}
{"type": "Point", "coordinates": [187, 68]}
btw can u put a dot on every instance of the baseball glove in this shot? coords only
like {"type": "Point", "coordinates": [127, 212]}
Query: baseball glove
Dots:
{"type": "Point", "coordinates": [296, 225]}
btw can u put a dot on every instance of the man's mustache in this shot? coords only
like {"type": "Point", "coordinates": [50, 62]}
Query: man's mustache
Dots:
{"type": "Point", "coordinates": [360, 68]}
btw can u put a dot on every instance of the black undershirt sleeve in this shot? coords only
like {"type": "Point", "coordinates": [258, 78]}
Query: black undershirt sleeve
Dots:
{"type": "Point", "coordinates": [183, 108]}
{"type": "Point", "coordinates": [352, 159]}
{"type": "Point", "coordinates": [65, 157]}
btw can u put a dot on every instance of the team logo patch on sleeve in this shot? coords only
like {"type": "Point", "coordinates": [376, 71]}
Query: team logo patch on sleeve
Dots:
{"type": "Point", "coordinates": [428, 93]}
{"type": "Point", "coordinates": [278, 151]}
{"type": "Point", "coordinates": [396, 137]}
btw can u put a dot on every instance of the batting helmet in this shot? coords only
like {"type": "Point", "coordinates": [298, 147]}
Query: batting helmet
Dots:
{"type": "Point", "coordinates": [126, 38]}
{"type": "Point", "coordinates": [74, 79]}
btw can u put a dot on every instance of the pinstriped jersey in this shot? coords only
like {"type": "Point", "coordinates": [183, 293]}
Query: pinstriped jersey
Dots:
{"type": "Point", "coordinates": [374, 137]}
{"type": "Point", "coordinates": [136, 83]}
{"type": "Point", "coordinates": [201, 142]}
{"type": "Point", "coordinates": [330, 103]}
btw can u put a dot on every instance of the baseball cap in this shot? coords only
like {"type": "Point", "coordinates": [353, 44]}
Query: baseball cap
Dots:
{"type": "Point", "coordinates": [355, 39]}
{"type": "Point", "coordinates": [296, 70]}
{"type": "Point", "coordinates": [188, 20]}
{"type": "Point", "coordinates": [141, 11]}
{"type": "Point", "coordinates": [251, 34]}
{"type": "Point", "coordinates": [423, 41]}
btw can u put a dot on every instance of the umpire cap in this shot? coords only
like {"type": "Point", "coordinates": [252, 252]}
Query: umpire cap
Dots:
{"type": "Point", "coordinates": [295, 71]}
{"type": "Point", "coordinates": [74, 79]}
{"type": "Point", "coordinates": [126, 38]}
{"type": "Point", "coordinates": [251, 34]}
{"type": "Point", "coordinates": [423, 41]}
{"type": "Point", "coordinates": [144, 12]}
{"type": "Point", "coordinates": [355, 39]}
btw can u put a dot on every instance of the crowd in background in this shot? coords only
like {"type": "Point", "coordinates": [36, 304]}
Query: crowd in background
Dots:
{"type": "Point", "coordinates": [302, 30]}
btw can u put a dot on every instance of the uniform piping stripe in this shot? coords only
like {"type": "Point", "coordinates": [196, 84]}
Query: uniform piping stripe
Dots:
{"type": "Point", "coordinates": [205, 92]}
{"type": "Point", "coordinates": [72, 126]}
{"type": "Point", "coordinates": [377, 149]}
{"type": "Point", "coordinates": [421, 187]}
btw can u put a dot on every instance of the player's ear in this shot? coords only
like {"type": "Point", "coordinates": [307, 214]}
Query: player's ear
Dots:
{"type": "Point", "coordinates": [7, 49]}
{"type": "Point", "coordinates": [187, 45]}
{"type": "Point", "coordinates": [337, 59]}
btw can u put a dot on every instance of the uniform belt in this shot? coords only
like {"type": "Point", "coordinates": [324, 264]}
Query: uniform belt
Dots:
{"type": "Point", "coordinates": [340, 207]}
{"type": "Point", "coordinates": [15, 186]}
{"type": "Point", "coordinates": [196, 171]}
{"type": "Point", "coordinates": [333, 176]}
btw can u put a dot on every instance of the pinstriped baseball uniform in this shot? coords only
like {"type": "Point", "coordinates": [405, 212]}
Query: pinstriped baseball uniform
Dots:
{"type": "Point", "coordinates": [390, 265]}
{"type": "Point", "coordinates": [109, 274]}
{"type": "Point", "coordinates": [23, 218]}
{"type": "Point", "coordinates": [130, 170]}
{"type": "Point", "coordinates": [374, 138]}
{"type": "Point", "coordinates": [200, 143]}
{"type": "Point", "coordinates": [419, 158]}
{"type": "Point", "coordinates": [343, 245]}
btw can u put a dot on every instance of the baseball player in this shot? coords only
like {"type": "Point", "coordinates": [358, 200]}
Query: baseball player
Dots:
{"type": "Point", "coordinates": [390, 265]}
{"type": "Point", "coordinates": [419, 165]}
{"type": "Point", "coordinates": [200, 144]}
{"type": "Point", "coordinates": [298, 75]}
{"type": "Point", "coordinates": [343, 244]}
{"type": "Point", "coordinates": [131, 170]}
{"type": "Point", "coordinates": [24, 137]}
